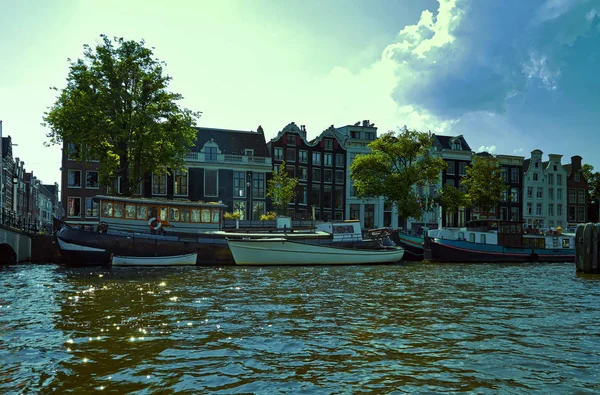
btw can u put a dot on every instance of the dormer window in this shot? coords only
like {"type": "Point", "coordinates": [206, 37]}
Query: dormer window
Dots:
{"type": "Point", "coordinates": [249, 152]}
{"type": "Point", "coordinates": [291, 140]}
{"type": "Point", "coordinates": [328, 144]}
{"type": "Point", "coordinates": [210, 149]}
{"type": "Point", "coordinates": [455, 144]}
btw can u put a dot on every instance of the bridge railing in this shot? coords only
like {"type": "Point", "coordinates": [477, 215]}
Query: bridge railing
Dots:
{"type": "Point", "coordinates": [25, 223]}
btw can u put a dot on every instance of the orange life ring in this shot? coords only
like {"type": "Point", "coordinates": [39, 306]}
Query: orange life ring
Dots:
{"type": "Point", "coordinates": [154, 227]}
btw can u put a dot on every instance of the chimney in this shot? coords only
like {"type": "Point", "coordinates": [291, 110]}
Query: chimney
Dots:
{"type": "Point", "coordinates": [365, 123]}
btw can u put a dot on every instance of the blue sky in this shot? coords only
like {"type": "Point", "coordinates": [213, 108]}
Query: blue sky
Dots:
{"type": "Point", "coordinates": [510, 76]}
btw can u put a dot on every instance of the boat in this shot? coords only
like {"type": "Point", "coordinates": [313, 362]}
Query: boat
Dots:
{"type": "Point", "coordinates": [412, 244]}
{"type": "Point", "coordinates": [492, 240]}
{"type": "Point", "coordinates": [138, 227]}
{"type": "Point", "coordinates": [168, 260]}
{"type": "Point", "coordinates": [283, 251]}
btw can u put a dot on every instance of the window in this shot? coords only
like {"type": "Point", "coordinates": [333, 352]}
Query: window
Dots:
{"type": "Point", "coordinates": [239, 184]}
{"type": "Point", "coordinates": [551, 194]}
{"type": "Point", "coordinates": [291, 139]}
{"type": "Point", "coordinates": [514, 193]}
{"type": "Point", "coordinates": [339, 176]}
{"type": "Point", "coordinates": [538, 209]}
{"type": "Point", "coordinates": [301, 194]}
{"type": "Point", "coordinates": [572, 217]}
{"type": "Point", "coordinates": [316, 175]}
{"type": "Point", "coordinates": [514, 175]}
{"type": "Point", "coordinates": [535, 176]}
{"type": "Point", "coordinates": [339, 198]}
{"type": "Point", "coordinates": [504, 174]}
{"type": "Point", "coordinates": [369, 216]}
{"type": "Point", "coordinates": [278, 153]}
{"type": "Point", "coordinates": [258, 209]}
{"type": "Point", "coordinates": [115, 186]}
{"type": "Point", "coordinates": [327, 196]}
{"type": "Point", "coordinates": [91, 208]}
{"type": "Point", "coordinates": [369, 136]}
{"type": "Point", "coordinates": [450, 169]}
{"type": "Point", "coordinates": [258, 185]}
{"type": "Point", "coordinates": [91, 179]}
{"type": "Point", "coordinates": [529, 192]}
{"type": "Point", "coordinates": [472, 237]}
{"type": "Point", "coordinates": [514, 213]}
{"type": "Point", "coordinates": [316, 158]}
{"type": "Point", "coordinates": [540, 193]}
{"type": "Point", "coordinates": [572, 195]}
{"type": "Point", "coordinates": [550, 179]}
{"type": "Point", "coordinates": [142, 212]}
{"type": "Point", "coordinates": [249, 152]}
{"type": "Point", "coordinates": [339, 160]}
{"type": "Point", "coordinates": [74, 179]}
{"type": "Point", "coordinates": [462, 168]}
{"type": "Point", "coordinates": [302, 173]}
{"type": "Point", "coordinates": [159, 184]}
{"type": "Point", "coordinates": [291, 154]}
{"type": "Point", "coordinates": [130, 211]}
{"type": "Point", "coordinates": [580, 214]}
{"type": "Point", "coordinates": [555, 167]}
{"type": "Point", "coordinates": [482, 238]}
{"type": "Point", "coordinates": [456, 145]}
{"type": "Point", "coordinates": [107, 209]}
{"type": "Point", "coordinates": [450, 182]}
{"type": "Point", "coordinates": [210, 154]}
{"type": "Point", "coordinates": [578, 176]}
{"type": "Point", "coordinates": [536, 164]}
{"type": "Point", "coordinates": [355, 211]}
{"type": "Point", "coordinates": [73, 151]}
{"type": "Point", "coordinates": [316, 196]}
{"type": "Point", "coordinates": [328, 159]}
{"type": "Point", "coordinates": [180, 181]}
{"type": "Point", "coordinates": [74, 207]}
{"type": "Point", "coordinates": [291, 170]}
{"type": "Point", "coordinates": [581, 196]}
{"type": "Point", "coordinates": [559, 179]}
{"type": "Point", "coordinates": [355, 134]}
{"type": "Point", "coordinates": [328, 144]}
{"type": "Point", "coordinates": [551, 209]}
{"type": "Point", "coordinates": [302, 156]}
{"type": "Point", "coordinates": [559, 210]}
{"type": "Point", "coordinates": [239, 206]}
{"type": "Point", "coordinates": [328, 176]}
{"type": "Point", "coordinates": [352, 189]}
{"type": "Point", "coordinates": [504, 196]}
{"type": "Point", "coordinates": [559, 194]}
{"type": "Point", "coordinates": [211, 182]}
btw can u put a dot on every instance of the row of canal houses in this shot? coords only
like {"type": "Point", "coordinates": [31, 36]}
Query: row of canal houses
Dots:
{"type": "Point", "coordinates": [25, 201]}
{"type": "Point", "coordinates": [233, 167]}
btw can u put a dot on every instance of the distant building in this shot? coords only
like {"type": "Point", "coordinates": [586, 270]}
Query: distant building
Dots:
{"type": "Point", "coordinates": [511, 171]}
{"type": "Point", "coordinates": [577, 187]}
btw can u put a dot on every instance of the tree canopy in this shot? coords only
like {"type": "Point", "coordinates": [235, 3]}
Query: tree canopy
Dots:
{"type": "Point", "coordinates": [398, 163]}
{"type": "Point", "coordinates": [281, 189]}
{"type": "Point", "coordinates": [593, 179]}
{"type": "Point", "coordinates": [483, 183]}
{"type": "Point", "coordinates": [117, 107]}
{"type": "Point", "coordinates": [451, 198]}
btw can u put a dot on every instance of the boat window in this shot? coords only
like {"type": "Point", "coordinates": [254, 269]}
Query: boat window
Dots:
{"type": "Point", "coordinates": [482, 239]}
{"type": "Point", "coordinates": [107, 209]}
{"type": "Point", "coordinates": [461, 236]}
{"type": "Point", "coordinates": [205, 215]}
{"type": "Point", "coordinates": [185, 215]}
{"type": "Point", "coordinates": [153, 212]}
{"type": "Point", "coordinates": [119, 210]}
{"type": "Point", "coordinates": [142, 212]}
{"type": "Point", "coordinates": [174, 214]}
{"type": "Point", "coordinates": [472, 237]}
{"type": "Point", "coordinates": [565, 243]}
{"type": "Point", "coordinates": [163, 214]}
{"type": "Point", "coordinates": [130, 211]}
{"type": "Point", "coordinates": [339, 229]}
{"type": "Point", "coordinates": [216, 216]}
{"type": "Point", "coordinates": [349, 228]}
{"type": "Point", "coordinates": [195, 215]}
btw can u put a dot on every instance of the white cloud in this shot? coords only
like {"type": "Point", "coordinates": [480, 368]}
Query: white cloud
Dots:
{"type": "Point", "coordinates": [539, 67]}
{"type": "Point", "coordinates": [517, 151]}
{"type": "Point", "coordinates": [591, 15]}
{"type": "Point", "coordinates": [489, 149]}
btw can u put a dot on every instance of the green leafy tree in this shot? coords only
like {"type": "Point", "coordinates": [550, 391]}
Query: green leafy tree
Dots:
{"type": "Point", "coordinates": [281, 189]}
{"type": "Point", "coordinates": [484, 183]}
{"type": "Point", "coordinates": [116, 105]}
{"type": "Point", "coordinates": [398, 162]}
{"type": "Point", "coordinates": [451, 199]}
{"type": "Point", "coordinates": [593, 180]}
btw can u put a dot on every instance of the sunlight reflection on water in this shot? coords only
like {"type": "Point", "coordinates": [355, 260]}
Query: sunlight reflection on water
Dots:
{"type": "Point", "coordinates": [413, 327]}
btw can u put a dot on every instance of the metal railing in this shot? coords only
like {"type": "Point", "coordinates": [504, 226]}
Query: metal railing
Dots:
{"type": "Point", "coordinates": [24, 223]}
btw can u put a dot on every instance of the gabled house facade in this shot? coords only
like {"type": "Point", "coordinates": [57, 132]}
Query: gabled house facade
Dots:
{"type": "Point", "coordinates": [511, 171]}
{"type": "Point", "coordinates": [457, 154]}
{"type": "Point", "coordinates": [577, 201]}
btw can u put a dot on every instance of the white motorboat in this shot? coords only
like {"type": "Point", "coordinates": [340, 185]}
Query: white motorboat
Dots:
{"type": "Point", "coordinates": [170, 260]}
{"type": "Point", "coordinates": [281, 251]}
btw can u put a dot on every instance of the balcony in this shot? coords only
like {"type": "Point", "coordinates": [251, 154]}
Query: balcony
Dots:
{"type": "Point", "coordinates": [228, 158]}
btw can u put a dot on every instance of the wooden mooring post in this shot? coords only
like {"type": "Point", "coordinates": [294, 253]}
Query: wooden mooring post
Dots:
{"type": "Point", "coordinates": [587, 248]}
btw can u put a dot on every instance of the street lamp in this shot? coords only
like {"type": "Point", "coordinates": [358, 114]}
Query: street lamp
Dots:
{"type": "Point", "coordinates": [249, 191]}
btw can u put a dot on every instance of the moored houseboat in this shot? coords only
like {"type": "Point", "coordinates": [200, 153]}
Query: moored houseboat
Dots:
{"type": "Point", "coordinates": [493, 240]}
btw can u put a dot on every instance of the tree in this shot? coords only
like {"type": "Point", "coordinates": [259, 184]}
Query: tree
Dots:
{"type": "Point", "coordinates": [451, 199]}
{"type": "Point", "coordinates": [593, 180]}
{"type": "Point", "coordinates": [117, 106]}
{"type": "Point", "coordinates": [484, 183]}
{"type": "Point", "coordinates": [398, 162]}
{"type": "Point", "coordinates": [281, 189]}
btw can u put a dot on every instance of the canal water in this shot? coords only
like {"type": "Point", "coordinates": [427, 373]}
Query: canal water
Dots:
{"type": "Point", "coordinates": [424, 328]}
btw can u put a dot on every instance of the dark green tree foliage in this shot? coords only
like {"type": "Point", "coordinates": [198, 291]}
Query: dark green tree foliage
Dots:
{"type": "Point", "coordinates": [483, 183]}
{"type": "Point", "coordinates": [397, 163]}
{"type": "Point", "coordinates": [281, 189]}
{"type": "Point", "coordinates": [117, 106]}
{"type": "Point", "coordinates": [593, 179]}
{"type": "Point", "coordinates": [451, 199]}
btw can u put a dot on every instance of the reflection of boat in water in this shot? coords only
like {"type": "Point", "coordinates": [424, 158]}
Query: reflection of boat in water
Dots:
{"type": "Point", "coordinates": [282, 251]}
{"type": "Point", "coordinates": [493, 240]}
{"type": "Point", "coordinates": [169, 260]}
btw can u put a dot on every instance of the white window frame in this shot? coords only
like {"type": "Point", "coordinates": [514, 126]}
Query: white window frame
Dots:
{"type": "Point", "coordinates": [69, 179]}
{"type": "Point", "coordinates": [97, 177]}
{"type": "Point", "coordinates": [165, 184]}
{"type": "Point", "coordinates": [187, 183]}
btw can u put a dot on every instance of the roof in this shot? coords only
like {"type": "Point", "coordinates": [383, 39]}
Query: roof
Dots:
{"type": "Point", "coordinates": [445, 142]}
{"type": "Point", "coordinates": [526, 164]}
{"type": "Point", "coordinates": [567, 168]}
{"type": "Point", "coordinates": [232, 141]}
{"type": "Point", "coordinates": [6, 146]}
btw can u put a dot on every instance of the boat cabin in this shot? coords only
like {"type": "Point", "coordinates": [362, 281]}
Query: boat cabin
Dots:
{"type": "Point", "coordinates": [342, 230]}
{"type": "Point", "coordinates": [158, 215]}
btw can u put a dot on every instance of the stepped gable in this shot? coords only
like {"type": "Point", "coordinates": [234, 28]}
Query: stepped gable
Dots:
{"type": "Point", "coordinates": [232, 141]}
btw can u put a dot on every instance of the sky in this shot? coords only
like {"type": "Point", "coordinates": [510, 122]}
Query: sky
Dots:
{"type": "Point", "coordinates": [510, 76]}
